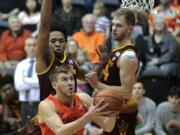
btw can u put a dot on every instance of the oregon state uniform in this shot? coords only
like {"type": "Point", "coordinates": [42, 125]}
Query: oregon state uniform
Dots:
{"type": "Point", "coordinates": [126, 121]}
{"type": "Point", "coordinates": [44, 82]}
{"type": "Point", "coordinates": [66, 114]}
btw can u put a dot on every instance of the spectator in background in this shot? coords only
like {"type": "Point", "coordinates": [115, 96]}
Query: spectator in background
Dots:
{"type": "Point", "coordinates": [88, 38]}
{"type": "Point", "coordinates": [11, 104]}
{"type": "Point", "coordinates": [31, 16]}
{"type": "Point", "coordinates": [7, 8]}
{"type": "Point", "coordinates": [168, 114]}
{"type": "Point", "coordinates": [102, 23]}
{"type": "Point", "coordinates": [140, 30]}
{"type": "Point", "coordinates": [176, 4]}
{"type": "Point", "coordinates": [89, 5]}
{"type": "Point", "coordinates": [85, 65]}
{"type": "Point", "coordinates": [68, 17]}
{"type": "Point", "coordinates": [161, 55]}
{"type": "Point", "coordinates": [5, 16]}
{"type": "Point", "coordinates": [26, 82]}
{"type": "Point", "coordinates": [4, 126]}
{"type": "Point", "coordinates": [12, 45]}
{"type": "Point", "coordinates": [146, 111]}
{"type": "Point", "coordinates": [72, 48]}
{"type": "Point", "coordinates": [82, 60]}
{"type": "Point", "coordinates": [166, 11]}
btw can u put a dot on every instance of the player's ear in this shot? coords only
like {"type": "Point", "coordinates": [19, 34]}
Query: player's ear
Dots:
{"type": "Point", "coordinates": [54, 85]}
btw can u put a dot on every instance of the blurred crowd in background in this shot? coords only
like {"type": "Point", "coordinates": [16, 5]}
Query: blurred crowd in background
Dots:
{"type": "Point", "coordinates": [88, 25]}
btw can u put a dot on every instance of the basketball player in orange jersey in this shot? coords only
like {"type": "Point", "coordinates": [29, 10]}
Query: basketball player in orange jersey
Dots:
{"type": "Point", "coordinates": [50, 49]}
{"type": "Point", "coordinates": [119, 71]}
{"type": "Point", "coordinates": [67, 112]}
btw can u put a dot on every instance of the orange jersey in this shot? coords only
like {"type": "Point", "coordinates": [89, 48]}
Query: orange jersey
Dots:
{"type": "Point", "coordinates": [66, 114]}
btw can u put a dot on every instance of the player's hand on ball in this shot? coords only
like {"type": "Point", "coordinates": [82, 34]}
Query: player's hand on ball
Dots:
{"type": "Point", "coordinates": [98, 110]}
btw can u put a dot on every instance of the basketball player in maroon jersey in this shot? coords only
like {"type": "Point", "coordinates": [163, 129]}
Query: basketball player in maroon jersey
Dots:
{"type": "Point", "coordinates": [119, 71]}
{"type": "Point", "coordinates": [50, 49]}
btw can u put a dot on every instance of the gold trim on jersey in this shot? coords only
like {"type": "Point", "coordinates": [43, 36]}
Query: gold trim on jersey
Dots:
{"type": "Point", "coordinates": [75, 62]}
{"type": "Point", "coordinates": [63, 60]}
{"type": "Point", "coordinates": [130, 106]}
{"type": "Point", "coordinates": [121, 47]}
{"type": "Point", "coordinates": [40, 73]}
{"type": "Point", "coordinates": [123, 128]}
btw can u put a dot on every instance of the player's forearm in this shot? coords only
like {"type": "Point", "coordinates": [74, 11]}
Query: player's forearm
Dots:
{"type": "Point", "coordinates": [44, 28]}
{"type": "Point", "coordinates": [106, 123]}
{"type": "Point", "coordinates": [126, 91]}
{"type": "Point", "coordinates": [46, 11]}
{"type": "Point", "coordinates": [42, 51]}
{"type": "Point", "coordinates": [73, 127]}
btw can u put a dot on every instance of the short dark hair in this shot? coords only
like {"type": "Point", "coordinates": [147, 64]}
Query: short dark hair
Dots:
{"type": "Point", "coordinates": [59, 28]}
{"type": "Point", "coordinates": [65, 68]}
{"type": "Point", "coordinates": [174, 91]}
{"type": "Point", "coordinates": [127, 13]}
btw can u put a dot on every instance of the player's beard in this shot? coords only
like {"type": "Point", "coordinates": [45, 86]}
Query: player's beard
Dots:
{"type": "Point", "coordinates": [119, 38]}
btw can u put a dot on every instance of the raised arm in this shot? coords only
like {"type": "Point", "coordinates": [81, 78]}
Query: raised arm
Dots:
{"type": "Point", "coordinates": [43, 54]}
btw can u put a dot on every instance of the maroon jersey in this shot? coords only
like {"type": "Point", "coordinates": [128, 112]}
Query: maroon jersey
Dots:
{"type": "Point", "coordinates": [126, 122]}
{"type": "Point", "coordinates": [44, 82]}
{"type": "Point", "coordinates": [110, 71]}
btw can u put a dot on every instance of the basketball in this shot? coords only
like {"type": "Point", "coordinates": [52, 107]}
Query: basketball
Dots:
{"type": "Point", "coordinates": [114, 98]}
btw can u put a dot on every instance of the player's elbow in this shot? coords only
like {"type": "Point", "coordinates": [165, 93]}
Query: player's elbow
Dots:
{"type": "Point", "coordinates": [59, 131]}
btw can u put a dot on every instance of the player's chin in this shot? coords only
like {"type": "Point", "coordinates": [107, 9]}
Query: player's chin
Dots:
{"type": "Point", "coordinates": [69, 94]}
{"type": "Point", "coordinates": [59, 51]}
{"type": "Point", "coordinates": [115, 37]}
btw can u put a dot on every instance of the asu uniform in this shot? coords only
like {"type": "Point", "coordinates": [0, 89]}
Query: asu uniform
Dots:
{"type": "Point", "coordinates": [126, 121]}
{"type": "Point", "coordinates": [66, 114]}
{"type": "Point", "coordinates": [44, 82]}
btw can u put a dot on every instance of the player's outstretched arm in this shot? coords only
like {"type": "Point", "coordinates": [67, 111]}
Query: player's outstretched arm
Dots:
{"type": "Point", "coordinates": [43, 52]}
{"type": "Point", "coordinates": [48, 115]}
